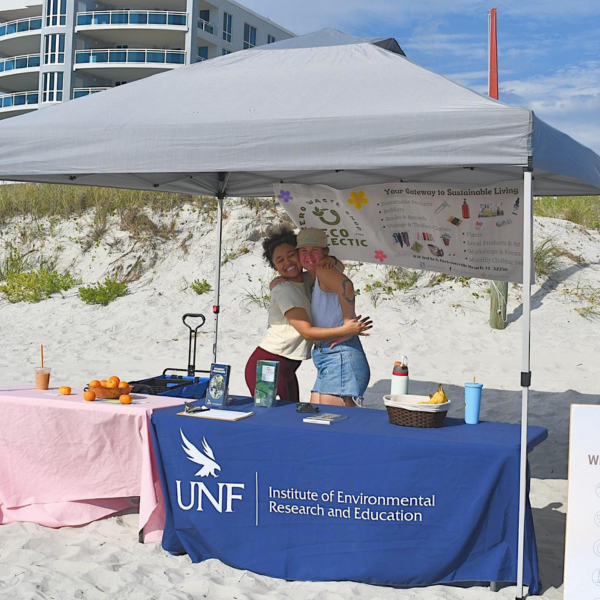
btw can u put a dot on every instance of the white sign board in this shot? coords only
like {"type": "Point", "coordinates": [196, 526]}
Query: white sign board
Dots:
{"type": "Point", "coordinates": [582, 548]}
{"type": "Point", "coordinates": [461, 230]}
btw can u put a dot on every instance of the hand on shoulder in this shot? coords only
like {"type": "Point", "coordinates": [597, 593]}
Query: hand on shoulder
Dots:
{"type": "Point", "coordinates": [277, 281]}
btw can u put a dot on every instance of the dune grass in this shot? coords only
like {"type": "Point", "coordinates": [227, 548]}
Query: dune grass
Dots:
{"type": "Point", "coordinates": [545, 257]}
{"type": "Point", "coordinates": [13, 263]}
{"type": "Point", "coordinates": [68, 201]}
{"type": "Point", "coordinates": [583, 210]}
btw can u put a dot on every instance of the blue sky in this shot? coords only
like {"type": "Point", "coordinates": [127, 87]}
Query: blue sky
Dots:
{"type": "Point", "coordinates": [548, 50]}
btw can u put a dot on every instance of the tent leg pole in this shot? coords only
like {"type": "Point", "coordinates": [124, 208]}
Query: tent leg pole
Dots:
{"type": "Point", "coordinates": [216, 307]}
{"type": "Point", "coordinates": [223, 181]}
{"type": "Point", "coordinates": [525, 367]}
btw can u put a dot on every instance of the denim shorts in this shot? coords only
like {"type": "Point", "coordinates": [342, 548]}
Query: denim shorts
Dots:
{"type": "Point", "coordinates": [343, 370]}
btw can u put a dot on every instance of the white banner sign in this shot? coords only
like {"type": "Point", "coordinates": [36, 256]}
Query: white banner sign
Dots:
{"type": "Point", "coordinates": [460, 230]}
{"type": "Point", "coordinates": [582, 547]}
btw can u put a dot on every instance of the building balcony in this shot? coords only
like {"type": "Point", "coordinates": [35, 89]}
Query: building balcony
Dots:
{"type": "Point", "coordinates": [81, 92]}
{"type": "Point", "coordinates": [31, 25]}
{"type": "Point", "coordinates": [128, 56]}
{"type": "Point", "coordinates": [18, 103]}
{"type": "Point", "coordinates": [132, 18]}
{"type": "Point", "coordinates": [135, 27]}
{"type": "Point", "coordinates": [206, 26]}
{"type": "Point", "coordinates": [170, 5]}
{"type": "Point", "coordinates": [128, 64]}
{"type": "Point", "coordinates": [29, 61]}
{"type": "Point", "coordinates": [19, 73]}
{"type": "Point", "coordinates": [20, 37]}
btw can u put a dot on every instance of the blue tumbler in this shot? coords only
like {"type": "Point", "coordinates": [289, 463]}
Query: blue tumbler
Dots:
{"type": "Point", "coordinates": [472, 402]}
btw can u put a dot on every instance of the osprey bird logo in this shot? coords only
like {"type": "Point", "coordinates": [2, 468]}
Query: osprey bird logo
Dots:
{"type": "Point", "coordinates": [207, 460]}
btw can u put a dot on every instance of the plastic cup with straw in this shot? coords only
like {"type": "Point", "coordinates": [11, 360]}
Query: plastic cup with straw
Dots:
{"type": "Point", "coordinates": [472, 402]}
{"type": "Point", "coordinates": [42, 374]}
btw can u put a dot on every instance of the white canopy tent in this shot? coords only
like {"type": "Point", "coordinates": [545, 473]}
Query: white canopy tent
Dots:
{"type": "Point", "coordinates": [319, 109]}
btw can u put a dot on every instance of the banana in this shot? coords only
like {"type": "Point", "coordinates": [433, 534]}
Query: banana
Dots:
{"type": "Point", "coordinates": [438, 398]}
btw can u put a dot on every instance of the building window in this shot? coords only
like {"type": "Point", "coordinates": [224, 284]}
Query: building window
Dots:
{"type": "Point", "coordinates": [53, 87]}
{"type": "Point", "coordinates": [225, 52]}
{"type": "Point", "coordinates": [56, 12]}
{"type": "Point", "coordinates": [202, 53]}
{"type": "Point", "coordinates": [249, 36]}
{"type": "Point", "coordinates": [227, 26]}
{"type": "Point", "coordinates": [271, 39]}
{"type": "Point", "coordinates": [54, 49]}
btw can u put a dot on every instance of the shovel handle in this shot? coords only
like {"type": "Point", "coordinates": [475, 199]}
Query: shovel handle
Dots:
{"type": "Point", "coordinates": [192, 342]}
{"type": "Point", "coordinates": [193, 316]}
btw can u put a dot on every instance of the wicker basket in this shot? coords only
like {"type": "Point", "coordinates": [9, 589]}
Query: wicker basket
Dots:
{"type": "Point", "coordinates": [407, 412]}
{"type": "Point", "coordinates": [110, 393]}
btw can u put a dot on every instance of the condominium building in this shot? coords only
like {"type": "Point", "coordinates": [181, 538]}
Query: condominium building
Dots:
{"type": "Point", "coordinates": [55, 50]}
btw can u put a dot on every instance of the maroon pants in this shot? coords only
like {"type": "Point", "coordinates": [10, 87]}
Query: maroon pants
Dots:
{"type": "Point", "coordinates": [287, 383]}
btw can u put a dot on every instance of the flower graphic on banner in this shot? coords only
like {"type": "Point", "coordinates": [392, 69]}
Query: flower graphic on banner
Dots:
{"type": "Point", "coordinates": [358, 199]}
{"type": "Point", "coordinates": [380, 255]}
{"type": "Point", "coordinates": [285, 195]}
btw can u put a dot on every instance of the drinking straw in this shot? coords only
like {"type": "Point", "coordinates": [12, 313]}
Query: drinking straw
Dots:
{"type": "Point", "coordinates": [473, 379]}
{"type": "Point", "coordinates": [42, 352]}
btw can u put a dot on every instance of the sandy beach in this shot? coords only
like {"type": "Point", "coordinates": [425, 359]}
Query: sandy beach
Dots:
{"type": "Point", "coordinates": [441, 324]}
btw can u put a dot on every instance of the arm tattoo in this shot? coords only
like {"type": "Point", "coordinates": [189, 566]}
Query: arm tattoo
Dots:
{"type": "Point", "coordinates": [348, 295]}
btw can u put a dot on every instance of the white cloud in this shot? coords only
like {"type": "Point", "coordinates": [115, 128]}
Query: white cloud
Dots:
{"type": "Point", "coordinates": [557, 91]}
{"type": "Point", "coordinates": [568, 99]}
{"type": "Point", "coordinates": [467, 77]}
{"type": "Point", "coordinates": [458, 44]}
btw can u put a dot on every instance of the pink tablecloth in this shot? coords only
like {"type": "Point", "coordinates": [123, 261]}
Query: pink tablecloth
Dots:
{"type": "Point", "coordinates": [65, 461]}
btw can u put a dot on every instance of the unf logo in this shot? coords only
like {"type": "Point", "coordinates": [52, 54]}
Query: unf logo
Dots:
{"type": "Point", "coordinates": [222, 499]}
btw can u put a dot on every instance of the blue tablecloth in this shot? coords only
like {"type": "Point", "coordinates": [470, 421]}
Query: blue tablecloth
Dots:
{"type": "Point", "coordinates": [359, 500]}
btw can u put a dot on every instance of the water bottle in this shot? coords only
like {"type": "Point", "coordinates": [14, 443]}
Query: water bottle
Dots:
{"type": "Point", "coordinates": [400, 378]}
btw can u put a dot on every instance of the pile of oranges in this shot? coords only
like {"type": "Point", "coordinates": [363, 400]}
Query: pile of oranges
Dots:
{"type": "Point", "coordinates": [111, 383]}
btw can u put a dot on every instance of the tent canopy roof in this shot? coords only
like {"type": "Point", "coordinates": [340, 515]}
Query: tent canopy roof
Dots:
{"type": "Point", "coordinates": [333, 37]}
{"type": "Point", "coordinates": [317, 109]}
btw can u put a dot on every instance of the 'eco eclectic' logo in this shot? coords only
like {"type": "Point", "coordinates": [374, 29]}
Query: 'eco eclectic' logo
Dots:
{"type": "Point", "coordinates": [222, 498]}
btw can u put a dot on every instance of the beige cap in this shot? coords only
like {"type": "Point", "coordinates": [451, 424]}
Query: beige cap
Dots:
{"type": "Point", "coordinates": [311, 237]}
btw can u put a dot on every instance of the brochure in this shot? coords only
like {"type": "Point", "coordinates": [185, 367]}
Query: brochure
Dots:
{"type": "Point", "coordinates": [325, 418]}
{"type": "Point", "coordinates": [265, 391]}
{"type": "Point", "coordinates": [218, 385]}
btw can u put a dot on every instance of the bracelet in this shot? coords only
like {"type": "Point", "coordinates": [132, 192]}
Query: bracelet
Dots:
{"type": "Point", "coordinates": [336, 260]}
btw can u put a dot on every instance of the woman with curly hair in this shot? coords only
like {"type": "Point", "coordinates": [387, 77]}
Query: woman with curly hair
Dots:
{"type": "Point", "coordinates": [290, 334]}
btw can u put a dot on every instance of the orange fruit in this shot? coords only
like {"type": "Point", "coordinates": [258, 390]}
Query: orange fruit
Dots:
{"type": "Point", "coordinates": [64, 390]}
{"type": "Point", "coordinates": [111, 384]}
{"type": "Point", "coordinates": [89, 396]}
{"type": "Point", "coordinates": [115, 378]}
{"type": "Point", "coordinates": [125, 399]}
{"type": "Point", "coordinates": [123, 384]}
{"type": "Point", "coordinates": [103, 383]}
{"type": "Point", "coordinates": [94, 383]}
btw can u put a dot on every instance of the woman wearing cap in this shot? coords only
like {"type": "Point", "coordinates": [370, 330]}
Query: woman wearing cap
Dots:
{"type": "Point", "coordinates": [342, 369]}
{"type": "Point", "coordinates": [290, 332]}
